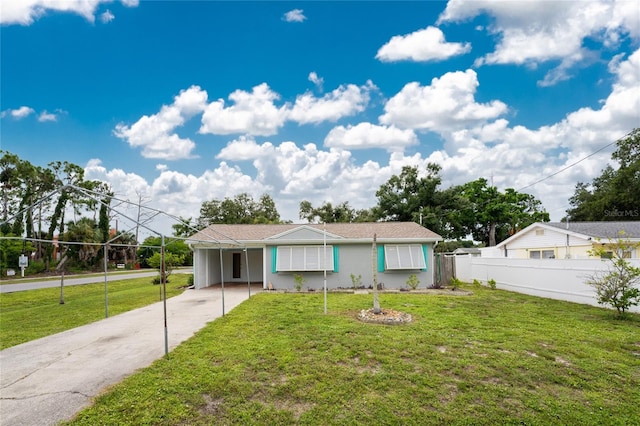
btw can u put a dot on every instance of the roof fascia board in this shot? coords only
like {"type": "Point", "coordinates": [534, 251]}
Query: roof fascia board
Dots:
{"type": "Point", "coordinates": [544, 226]}
{"type": "Point", "coordinates": [320, 232]}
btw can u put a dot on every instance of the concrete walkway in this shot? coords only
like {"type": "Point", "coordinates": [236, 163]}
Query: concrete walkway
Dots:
{"type": "Point", "coordinates": [48, 380]}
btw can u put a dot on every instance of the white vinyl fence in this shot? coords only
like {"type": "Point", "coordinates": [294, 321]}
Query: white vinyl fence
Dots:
{"type": "Point", "coordinates": [562, 279]}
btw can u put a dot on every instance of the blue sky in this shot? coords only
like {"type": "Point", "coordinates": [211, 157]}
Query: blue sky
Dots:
{"type": "Point", "coordinates": [184, 102]}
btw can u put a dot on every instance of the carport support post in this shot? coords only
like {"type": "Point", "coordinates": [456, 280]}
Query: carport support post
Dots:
{"type": "Point", "coordinates": [106, 292]}
{"type": "Point", "coordinates": [163, 280]}
{"type": "Point", "coordinates": [222, 279]}
{"type": "Point", "coordinates": [324, 262]}
{"type": "Point", "coordinates": [62, 288]}
{"type": "Point", "coordinates": [246, 260]}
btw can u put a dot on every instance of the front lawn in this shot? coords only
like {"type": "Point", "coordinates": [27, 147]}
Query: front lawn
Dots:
{"type": "Point", "coordinates": [494, 357]}
{"type": "Point", "coordinates": [31, 314]}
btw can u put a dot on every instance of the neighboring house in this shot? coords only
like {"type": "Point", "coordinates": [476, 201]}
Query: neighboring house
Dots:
{"type": "Point", "coordinates": [273, 254]}
{"type": "Point", "coordinates": [561, 240]}
{"type": "Point", "coordinates": [467, 251]}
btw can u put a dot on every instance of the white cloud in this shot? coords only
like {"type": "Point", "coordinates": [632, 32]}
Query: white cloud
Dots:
{"type": "Point", "coordinates": [106, 17]}
{"type": "Point", "coordinates": [295, 15]}
{"type": "Point", "coordinates": [25, 12]}
{"type": "Point", "coordinates": [533, 32]}
{"type": "Point", "coordinates": [341, 102]}
{"type": "Point", "coordinates": [518, 157]}
{"type": "Point", "coordinates": [19, 113]}
{"type": "Point", "coordinates": [318, 81]}
{"type": "Point", "coordinates": [155, 133]}
{"type": "Point", "coordinates": [252, 113]}
{"type": "Point", "coordinates": [479, 142]}
{"type": "Point", "coordinates": [243, 148]}
{"type": "Point", "coordinates": [47, 116]}
{"type": "Point", "coordinates": [445, 105]}
{"type": "Point", "coordinates": [423, 45]}
{"type": "Point", "coordinates": [367, 135]}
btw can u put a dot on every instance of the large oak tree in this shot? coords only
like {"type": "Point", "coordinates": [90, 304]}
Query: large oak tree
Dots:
{"type": "Point", "coordinates": [615, 194]}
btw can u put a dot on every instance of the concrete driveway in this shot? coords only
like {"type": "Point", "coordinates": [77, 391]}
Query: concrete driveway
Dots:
{"type": "Point", "coordinates": [48, 380]}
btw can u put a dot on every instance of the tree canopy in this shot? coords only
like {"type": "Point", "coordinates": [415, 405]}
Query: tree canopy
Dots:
{"type": "Point", "coordinates": [240, 209]}
{"type": "Point", "coordinates": [35, 199]}
{"type": "Point", "coordinates": [491, 216]}
{"type": "Point", "coordinates": [474, 208]}
{"type": "Point", "coordinates": [615, 194]}
{"type": "Point", "coordinates": [327, 213]}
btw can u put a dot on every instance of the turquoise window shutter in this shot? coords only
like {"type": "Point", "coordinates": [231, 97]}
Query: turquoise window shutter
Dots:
{"type": "Point", "coordinates": [425, 250]}
{"type": "Point", "coordinates": [380, 258]}
{"type": "Point", "coordinates": [335, 259]}
{"type": "Point", "coordinates": [274, 259]}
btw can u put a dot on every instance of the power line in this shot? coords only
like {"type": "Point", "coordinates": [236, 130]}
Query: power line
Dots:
{"type": "Point", "coordinates": [573, 164]}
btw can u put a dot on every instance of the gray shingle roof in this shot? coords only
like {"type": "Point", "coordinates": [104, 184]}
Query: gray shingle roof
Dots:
{"type": "Point", "coordinates": [383, 230]}
{"type": "Point", "coordinates": [601, 229]}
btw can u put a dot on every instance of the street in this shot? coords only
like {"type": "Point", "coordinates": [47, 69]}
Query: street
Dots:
{"type": "Point", "coordinates": [79, 280]}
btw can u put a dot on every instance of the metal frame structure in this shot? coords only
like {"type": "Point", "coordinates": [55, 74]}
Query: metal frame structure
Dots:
{"type": "Point", "coordinates": [95, 196]}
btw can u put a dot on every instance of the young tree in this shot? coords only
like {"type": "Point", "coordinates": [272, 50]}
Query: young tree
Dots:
{"type": "Point", "coordinates": [617, 287]}
{"type": "Point", "coordinates": [171, 261]}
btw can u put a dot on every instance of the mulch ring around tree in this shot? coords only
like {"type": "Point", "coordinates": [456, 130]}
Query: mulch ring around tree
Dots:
{"type": "Point", "coordinates": [386, 316]}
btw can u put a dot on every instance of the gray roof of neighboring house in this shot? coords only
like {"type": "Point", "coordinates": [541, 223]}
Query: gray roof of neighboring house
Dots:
{"type": "Point", "coordinates": [467, 250]}
{"type": "Point", "coordinates": [631, 229]}
{"type": "Point", "coordinates": [364, 230]}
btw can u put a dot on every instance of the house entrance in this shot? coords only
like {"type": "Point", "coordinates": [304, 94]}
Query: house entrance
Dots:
{"type": "Point", "coordinates": [237, 267]}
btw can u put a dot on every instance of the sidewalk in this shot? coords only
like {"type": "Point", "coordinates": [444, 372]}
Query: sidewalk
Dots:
{"type": "Point", "coordinates": [48, 380]}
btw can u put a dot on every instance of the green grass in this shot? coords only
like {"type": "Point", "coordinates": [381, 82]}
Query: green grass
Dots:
{"type": "Point", "coordinates": [29, 315]}
{"type": "Point", "coordinates": [491, 358]}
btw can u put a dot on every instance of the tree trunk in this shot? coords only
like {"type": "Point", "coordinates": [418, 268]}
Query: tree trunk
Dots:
{"type": "Point", "coordinates": [492, 234]}
{"type": "Point", "coordinates": [374, 252]}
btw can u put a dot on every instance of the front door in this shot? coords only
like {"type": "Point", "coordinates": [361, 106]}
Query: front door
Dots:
{"type": "Point", "coordinates": [237, 268]}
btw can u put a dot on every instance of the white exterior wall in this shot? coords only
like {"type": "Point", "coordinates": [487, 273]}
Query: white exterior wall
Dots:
{"type": "Point", "coordinates": [463, 268]}
{"type": "Point", "coordinates": [562, 279]}
{"type": "Point", "coordinates": [206, 267]}
{"type": "Point", "coordinates": [550, 240]}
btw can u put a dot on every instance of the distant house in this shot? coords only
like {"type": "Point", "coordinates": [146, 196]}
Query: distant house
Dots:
{"type": "Point", "coordinates": [273, 254]}
{"type": "Point", "coordinates": [467, 251]}
{"type": "Point", "coordinates": [560, 240]}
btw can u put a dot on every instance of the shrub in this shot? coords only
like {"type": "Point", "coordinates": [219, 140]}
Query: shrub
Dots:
{"type": "Point", "coordinates": [157, 280]}
{"type": "Point", "coordinates": [413, 282]}
{"type": "Point", "coordinates": [477, 283]}
{"type": "Point", "coordinates": [299, 281]}
{"type": "Point", "coordinates": [492, 284]}
{"type": "Point", "coordinates": [617, 286]}
{"type": "Point", "coordinates": [455, 282]}
{"type": "Point", "coordinates": [356, 281]}
{"type": "Point", "coordinates": [35, 267]}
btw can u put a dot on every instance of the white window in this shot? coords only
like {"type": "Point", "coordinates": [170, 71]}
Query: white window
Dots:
{"type": "Point", "coordinates": [304, 258]}
{"type": "Point", "coordinates": [404, 256]}
{"type": "Point", "coordinates": [542, 254]}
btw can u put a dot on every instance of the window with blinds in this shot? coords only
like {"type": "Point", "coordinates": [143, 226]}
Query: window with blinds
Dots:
{"type": "Point", "coordinates": [404, 256]}
{"type": "Point", "coordinates": [304, 258]}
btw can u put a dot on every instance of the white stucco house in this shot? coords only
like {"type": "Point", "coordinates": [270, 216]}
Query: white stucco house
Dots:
{"type": "Point", "coordinates": [561, 240]}
{"type": "Point", "coordinates": [271, 254]}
